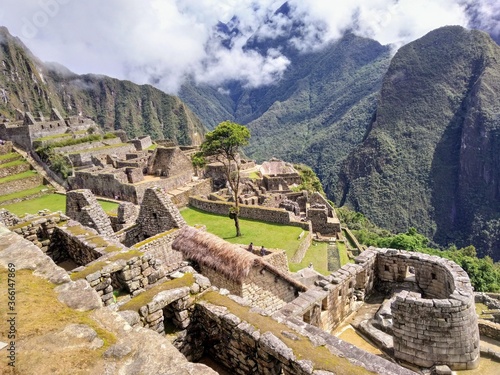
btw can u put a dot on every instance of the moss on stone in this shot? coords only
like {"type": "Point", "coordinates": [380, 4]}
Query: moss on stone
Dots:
{"type": "Point", "coordinates": [150, 239]}
{"type": "Point", "coordinates": [27, 223]}
{"type": "Point", "coordinates": [302, 348]}
{"type": "Point", "coordinates": [97, 266]}
{"type": "Point", "coordinates": [144, 298]}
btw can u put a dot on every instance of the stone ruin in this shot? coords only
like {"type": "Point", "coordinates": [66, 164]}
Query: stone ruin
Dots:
{"type": "Point", "coordinates": [82, 206]}
{"type": "Point", "coordinates": [159, 248]}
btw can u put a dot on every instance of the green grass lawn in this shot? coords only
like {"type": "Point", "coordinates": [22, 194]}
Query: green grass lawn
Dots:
{"type": "Point", "coordinates": [11, 155]}
{"type": "Point", "coordinates": [18, 176]}
{"type": "Point", "coordinates": [317, 254]}
{"type": "Point", "coordinates": [23, 193]}
{"type": "Point", "coordinates": [344, 258]}
{"type": "Point", "coordinates": [13, 163]}
{"type": "Point", "coordinates": [268, 235]}
{"type": "Point", "coordinates": [53, 202]}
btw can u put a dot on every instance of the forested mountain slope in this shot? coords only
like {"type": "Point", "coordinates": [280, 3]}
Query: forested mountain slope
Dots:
{"type": "Point", "coordinates": [431, 158]}
{"type": "Point", "coordinates": [30, 85]}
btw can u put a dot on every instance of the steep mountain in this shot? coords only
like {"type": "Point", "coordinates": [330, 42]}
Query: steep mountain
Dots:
{"type": "Point", "coordinates": [317, 112]}
{"type": "Point", "coordinates": [28, 84]}
{"type": "Point", "coordinates": [431, 157]}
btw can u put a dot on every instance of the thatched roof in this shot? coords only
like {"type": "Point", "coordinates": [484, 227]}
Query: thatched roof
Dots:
{"type": "Point", "coordinates": [230, 260]}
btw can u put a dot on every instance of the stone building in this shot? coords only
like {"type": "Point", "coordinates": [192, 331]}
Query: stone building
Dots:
{"type": "Point", "coordinates": [279, 176]}
{"type": "Point", "coordinates": [237, 270]}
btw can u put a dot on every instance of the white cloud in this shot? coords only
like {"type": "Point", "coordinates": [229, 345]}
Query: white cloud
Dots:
{"type": "Point", "coordinates": [162, 41]}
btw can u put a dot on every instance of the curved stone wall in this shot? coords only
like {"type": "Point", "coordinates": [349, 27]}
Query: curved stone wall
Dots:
{"type": "Point", "coordinates": [439, 326]}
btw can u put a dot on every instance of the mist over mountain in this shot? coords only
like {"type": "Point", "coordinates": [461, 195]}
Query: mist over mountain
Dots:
{"type": "Point", "coordinates": [28, 84]}
{"type": "Point", "coordinates": [430, 159]}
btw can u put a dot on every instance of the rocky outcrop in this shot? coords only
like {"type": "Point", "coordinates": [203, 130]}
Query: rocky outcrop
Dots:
{"type": "Point", "coordinates": [104, 344]}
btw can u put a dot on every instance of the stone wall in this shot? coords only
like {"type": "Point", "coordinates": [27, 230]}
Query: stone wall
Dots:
{"type": "Point", "coordinates": [104, 185]}
{"type": "Point", "coordinates": [439, 327]}
{"type": "Point", "coordinates": [277, 259]}
{"type": "Point", "coordinates": [86, 146]}
{"type": "Point", "coordinates": [82, 206]}
{"type": "Point", "coordinates": [131, 275]}
{"type": "Point", "coordinates": [142, 143]}
{"type": "Point", "coordinates": [18, 134]}
{"type": "Point", "coordinates": [38, 230]}
{"type": "Point", "coordinates": [169, 162]}
{"type": "Point", "coordinates": [180, 196]}
{"type": "Point", "coordinates": [80, 244]}
{"type": "Point", "coordinates": [219, 280]}
{"type": "Point", "coordinates": [267, 290]}
{"type": "Point", "coordinates": [321, 222]}
{"type": "Point", "coordinates": [171, 304]}
{"type": "Point", "coordinates": [281, 182]}
{"type": "Point", "coordinates": [21, 184]}
{"type": "Point", "coordinates": [489, 329]}
{"type": "Point", "coordinates": [160, 247]}
{"type": "Point", "coordinates": [245, 349]}
{"type": "Point", "coordinates": [158, 214]}
{"type": "Point", "coordinates": [14, 169]}
{"type": "Point", "coordinates": [5, 148]}
{"type": "Point", "coordinates": [7, 218]}
{"type": "Point", "coordinates": [249, 212]}
{"type": "Point", "coordinates": [84, 157]}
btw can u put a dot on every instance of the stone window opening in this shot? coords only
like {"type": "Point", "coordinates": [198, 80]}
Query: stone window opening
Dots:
{"type": "Point", "coordinates": [120, 287]}
{"type": "Point", "coordinates": [324, 304]}
{"type": "Point", "coordinates": [409, 273]}
{"type": "Point", "coordinates": [386, 267]}
{"type": "Point", "coordinates": [433, 276]}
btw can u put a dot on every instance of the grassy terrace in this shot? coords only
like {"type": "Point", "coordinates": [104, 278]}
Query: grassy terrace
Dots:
{"type": "Point", "coordinates": [12, 155]}
{"type": "Point", "coordinates": [53, 202]}
{"type": "Point", "coordinates": [24, 193]}
{"type": "Point", "coordinates": [317, 254]}
{"type": "Point", "coordinates": [100, 148]}
{"type": "Point", "coordinates": [262, 234]}
{"type": "Point", "coordinates": [57, 136]}
{"type": "Point", "coordinates": [302, 347]}
{"type": "Point", "coordinates": [18, 176]}
{"type": "Point", "coordinates": [13, 163]}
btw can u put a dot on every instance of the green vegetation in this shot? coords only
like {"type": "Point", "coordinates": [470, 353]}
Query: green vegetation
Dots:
{"type": "Point", "coordinates": [283, 236]}
{"type": "Point", "coordinates": [11, 155]}
{"type": "Point", "coordinates": [224, 144]}
{"type": "Point", "coordinates": [18, 176]}
{"type": "Point", "coordinates": [52, 202]}
{"type": "Point", "coordinates": [13, 163]}
{"type": "Point", "coordinates": [411, 170]}
{"type": "Point", "coordinates": [310, 182]}
{"type": "Point", "coordinates": [317, 254]}
{"type": "Point", "coordinates": [484, 274]}
{"type": "Point", "coordinates": [344, 258]}
{"type": "Point", "coordinates": [24, 193]}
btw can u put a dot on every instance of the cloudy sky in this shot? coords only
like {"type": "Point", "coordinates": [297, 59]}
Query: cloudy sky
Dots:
{"type": "Point", "coordinates": [163, 41]}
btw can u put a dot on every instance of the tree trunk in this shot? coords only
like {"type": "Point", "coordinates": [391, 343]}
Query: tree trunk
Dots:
{"type": "Point", "coordinates": [237, 225]}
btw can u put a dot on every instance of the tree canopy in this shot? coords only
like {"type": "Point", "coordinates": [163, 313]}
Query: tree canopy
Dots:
{"type": "Point", "coordinates": [224, 144]}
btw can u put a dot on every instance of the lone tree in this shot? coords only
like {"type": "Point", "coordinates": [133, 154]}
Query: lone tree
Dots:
{"type": "Point", "coordinates": [223, 144]}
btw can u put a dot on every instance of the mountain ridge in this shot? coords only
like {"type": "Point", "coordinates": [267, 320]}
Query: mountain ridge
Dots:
{"type": "Point", "coordinates": [28, 84]}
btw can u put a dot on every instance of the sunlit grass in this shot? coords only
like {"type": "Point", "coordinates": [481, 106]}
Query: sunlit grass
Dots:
{"type": "Point", "coordinates": [52, 202]}
{"type": "Point", "coordinates": [317, 254]}
{"type": "Point", "coordinates": [260, 233]}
